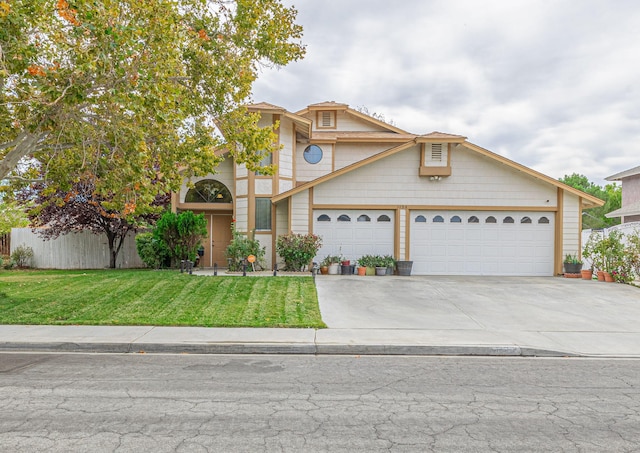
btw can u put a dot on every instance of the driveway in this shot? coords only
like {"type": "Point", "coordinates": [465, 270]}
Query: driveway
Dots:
{"type": "Point", "coordinates": [553, 313]}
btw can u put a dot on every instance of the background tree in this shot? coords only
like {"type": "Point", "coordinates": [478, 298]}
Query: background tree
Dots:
{"type": "Point", "coordinates": [123, 92]}
{"type": "Point", "coordinates": [82, 208]}
{"type": "Point", "coordinates": [611, 194]}
{"type": "Point", "coordinates": [12, 215]}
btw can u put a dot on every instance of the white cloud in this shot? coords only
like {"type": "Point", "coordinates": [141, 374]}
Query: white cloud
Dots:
{"type": "Point", "coordinates": [552, 85]}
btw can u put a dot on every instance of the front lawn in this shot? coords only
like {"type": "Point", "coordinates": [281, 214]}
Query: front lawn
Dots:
{"type": "Point", "coordinates": [159, 298]}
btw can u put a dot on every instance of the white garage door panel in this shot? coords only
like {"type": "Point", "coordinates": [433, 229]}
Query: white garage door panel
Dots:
{"type": "Point", "coordinates": [354, 238]}
{"type": "Point", "coordinates": [450, 248]}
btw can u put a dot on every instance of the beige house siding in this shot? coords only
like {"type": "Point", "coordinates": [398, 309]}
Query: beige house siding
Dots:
{"type": "Point", "coordinates": [285, 164]}
{"type": "Point", "coordinates": [300, 212]}
{"type": "Point", "coordinates": [347, 122]}
{"type": "Point", "coordinates": [242, 214]}
{"type": "Point", "coordinates": [264, 186]}
{"type": "Point", "coordinates": [309, 172]}
{"type": "Point", "coordinates": [571, 224]}
{"type": "Point", "coordinates": [348, 153]}
{"type": "Point", "coordinates": [475, 181]}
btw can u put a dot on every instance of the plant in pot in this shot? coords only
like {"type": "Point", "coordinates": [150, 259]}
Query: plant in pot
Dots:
{"type": "Point", "coordinates": [380, 265]}
{"type": "Point", "coordinates": [594, 253]}
{"type": "Point", "coordinates": [390, 263]}
{"type": "Point", "coordinates": [368, 262]}
{"type": "Point", "coordinates": [333, 263]}
{"type": "Point", "coordinates": [572, 264]}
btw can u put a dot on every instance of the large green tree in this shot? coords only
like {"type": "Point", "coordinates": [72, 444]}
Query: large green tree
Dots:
{"type": "Point", "coordinates": [610, 193]}
{"type": "Point", "coordinates": [134, 95]}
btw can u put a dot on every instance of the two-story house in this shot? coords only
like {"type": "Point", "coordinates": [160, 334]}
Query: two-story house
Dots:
{"type": "Point", "coordinates": [367, 187]}
{"type": "Point", "coordinates": [630, 207]}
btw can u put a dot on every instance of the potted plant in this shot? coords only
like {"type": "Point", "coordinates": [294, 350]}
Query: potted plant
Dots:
{"type": "Point", "coordinates": [572, 264]}
{"type": "Point", "coordinates": [390, 262]}
{"type": "Point", "coordinates": [333, 263]}
{"type": "Point", "coordinates": [369, 263]}
{"type": "Point", "coordinates": [594, 253]}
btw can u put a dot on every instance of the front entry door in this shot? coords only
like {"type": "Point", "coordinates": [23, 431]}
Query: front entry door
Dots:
{"type": "Point", "coordinates": [218, 238]}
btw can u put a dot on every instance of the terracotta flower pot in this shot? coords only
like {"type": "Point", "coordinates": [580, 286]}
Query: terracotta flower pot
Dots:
{"type": "Point", "coordinates": [608, 277]}
{"type": "Point", "coordinates": [587, 274]}
{"type": "Point", "coordinates": [324, 270]}
{"type": "Point", "coordinates": [600, 276]}
{"type": "Point", "coordinates": [362, 270]}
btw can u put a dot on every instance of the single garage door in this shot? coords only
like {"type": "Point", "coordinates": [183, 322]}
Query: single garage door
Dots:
{"type": "Point", "coordinates": [482, 243]}
{"type": "Point", "coordinates": [353, 233]}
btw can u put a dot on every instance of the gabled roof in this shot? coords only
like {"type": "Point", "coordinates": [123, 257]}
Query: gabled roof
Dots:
{"type": "Point", "coordinates": [304, 124]}
{"type": "Point", "coordinates": [439, 136]}
{"type": "Point", "coordinates": [331, 105]}
{"type": "Point", "coordinates": [624, 174]}
{"type": "Point", "coordinates": [588, 201]}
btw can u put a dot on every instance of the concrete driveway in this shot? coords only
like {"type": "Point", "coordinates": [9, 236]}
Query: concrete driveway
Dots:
{"type": "Point", "coordinates": [539, 313]}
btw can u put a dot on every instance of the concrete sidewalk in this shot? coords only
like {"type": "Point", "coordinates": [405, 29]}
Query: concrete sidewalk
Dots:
{"type": "Point", "coordinates": [491, 316]}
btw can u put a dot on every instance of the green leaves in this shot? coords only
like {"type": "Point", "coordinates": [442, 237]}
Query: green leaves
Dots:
{"type": "Point", "coordinates": [107, 76]}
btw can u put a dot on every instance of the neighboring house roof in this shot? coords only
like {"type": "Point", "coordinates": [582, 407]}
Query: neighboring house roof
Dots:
{"type": "Point", "coordinates": [631, 209]}
{"type": "Point", "coordinates": [588, 201]}
{"type": "Point", "coordinates": [624, 174]}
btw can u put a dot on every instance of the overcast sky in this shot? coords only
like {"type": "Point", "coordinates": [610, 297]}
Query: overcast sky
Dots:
{"type": "Point", "coordinates": [551, 84]}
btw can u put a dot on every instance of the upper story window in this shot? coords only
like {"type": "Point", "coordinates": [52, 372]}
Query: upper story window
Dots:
{"type": "Point", "coordinates": [266, 161]}
{"type": "Point", "coordinates": [208, 191]}
{"type": "Point", "coordinates": [326, 119]}
{"type": "Point", "coordinates": [312, 154]}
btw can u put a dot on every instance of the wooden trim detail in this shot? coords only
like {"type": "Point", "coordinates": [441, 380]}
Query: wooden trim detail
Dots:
{"type": "Point", "coordinates": [407, 235]}
{"type": "Point", "coordinates": [310, 211]}
{"type": "Point", "coordinates": [275, 186]}
{"type": "Point", "coordinates": [319, 119]}
{"type": "Point", "coordinates": [558, 239]}
{"type": "Point", "coordinates": [437, 208]}
{"type": "Point", "coordinates": [580, 227]}
{"type": "Point", "coordinates": [251, 203]}
{"type": "Point", "coordinates": [435, 171]}
{"type": "Point", "coordinates": [396, 234]}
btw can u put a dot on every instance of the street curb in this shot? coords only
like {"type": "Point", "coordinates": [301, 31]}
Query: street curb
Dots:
{"type": "Point", "coordinates": [280, 348]}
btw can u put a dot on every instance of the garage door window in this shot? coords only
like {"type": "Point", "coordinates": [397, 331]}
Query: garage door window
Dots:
{"type": "Point", "coordinates": [364, 218]}
{"type": "Point", "coordinates": [384, 218]}
{"type": "Point", "coordinates": [525, 220]}
{"type": "Point", "coordinates": [421, 218]}
{"type": "Point", "coordinates": [508, 219]}
{"type": "Point", "coordinates": [473, 219]}
{"type": "Point", "coordinates": [324, 218]}
{"type": "Point", "coordinates": [490, 219]}
{"type": "Point", "coordinates": [543, 220]}
{"type": "Point", "coordinates": [344, 218]}
{"type": "Point", "coordinates": [438, 219]}
{"type": "Point", "coordinates": [456, 219]}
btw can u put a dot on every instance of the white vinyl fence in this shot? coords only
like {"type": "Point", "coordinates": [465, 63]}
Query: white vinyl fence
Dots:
{"type": "Point", "coordinates": [625, 228]}
{"type": "Point", "coordinates": [81, 250]}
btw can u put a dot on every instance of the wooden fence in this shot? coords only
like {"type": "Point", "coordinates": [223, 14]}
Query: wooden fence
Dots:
{"type": "Point", "coordinates": [5, 244]}
{"type": "Point", "coordinates": [82, 250]}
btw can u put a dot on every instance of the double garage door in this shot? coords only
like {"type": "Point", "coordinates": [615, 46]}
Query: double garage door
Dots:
{"type": "Point", "coordinates": [447, 242]}
{"type": "Point", "coordinates": [482, 243]}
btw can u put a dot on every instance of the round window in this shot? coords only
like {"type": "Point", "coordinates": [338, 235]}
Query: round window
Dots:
{"type": "Point", "coordinates": [312, 154]}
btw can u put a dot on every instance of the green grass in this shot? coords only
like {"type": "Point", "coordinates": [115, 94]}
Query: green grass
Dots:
{"type": "Point", "coordinates": [158, 298]}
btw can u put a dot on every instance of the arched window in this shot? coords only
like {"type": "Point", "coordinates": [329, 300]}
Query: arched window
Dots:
{"type": "Point", "coordinates": [473, 219]}
{"type": "Point", "coordinates": [421, 219]}
{"type": "Point", "coordinates": [456, 219]}
{"type": "Point", "coordinates": [344, 218]}
{"type": "Point", "coordinates": [364, 218]}
{"type": "Point", "coordinates": [490, 219]}
{"type": "Point", "coordinates": [508, 219]}
{"type": "Point", "coordinates": [438, 219]}
{"type": "Point", "coordinates": [543, 220]}
{"type": "Point", "coordinates": [324, 218]}
{"type": "Point", "coordinates": [525, 220]}
{"type": "Point", "coordinates": [384, 218]}
{"type": "Point", "coordinates": [208, 191]}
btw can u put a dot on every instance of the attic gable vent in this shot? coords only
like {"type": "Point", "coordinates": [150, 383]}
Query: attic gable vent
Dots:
{"type": "Point", "coordinates": [327, 119]}
{"type": "Point", "coordinates": [436, 152]}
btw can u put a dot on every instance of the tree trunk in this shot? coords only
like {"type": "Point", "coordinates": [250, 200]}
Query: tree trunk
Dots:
{"type": "Point", "coordinates": [113, 252]}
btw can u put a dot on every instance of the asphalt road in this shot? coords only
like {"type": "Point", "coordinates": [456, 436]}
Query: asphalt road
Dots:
{"type": "Point", "coordinates": [194, 403]}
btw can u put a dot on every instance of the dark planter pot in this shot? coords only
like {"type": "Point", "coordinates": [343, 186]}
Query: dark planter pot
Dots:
{"type": "Point", "coordinates": [381, 271]}
{"type": "Point", "coordinates": [404, 267]}
{"type": "Point", "coordinates": [571, 268]}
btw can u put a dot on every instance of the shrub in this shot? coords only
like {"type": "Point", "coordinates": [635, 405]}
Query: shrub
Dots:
{"type": "Point", "coordinates": [152, 252]}
{"type": "Point", "coordinates": [22, 256]}
{"type": "Point", "coordinates": [297, 250]}
{"type": "Point", "coordinates": [240, 248]}
{"type": "Point", "coordinates": [181, 234]}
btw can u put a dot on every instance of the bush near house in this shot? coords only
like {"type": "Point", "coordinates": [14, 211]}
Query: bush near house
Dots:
{"type": "Point", "coordinates": [181, 234]}
{"type": "Point", "coordinates": [615, 253]}
{"type": "Point", "coordinates": [297, 250]}
{"type": "Point", "coordinates": [240, 247]}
